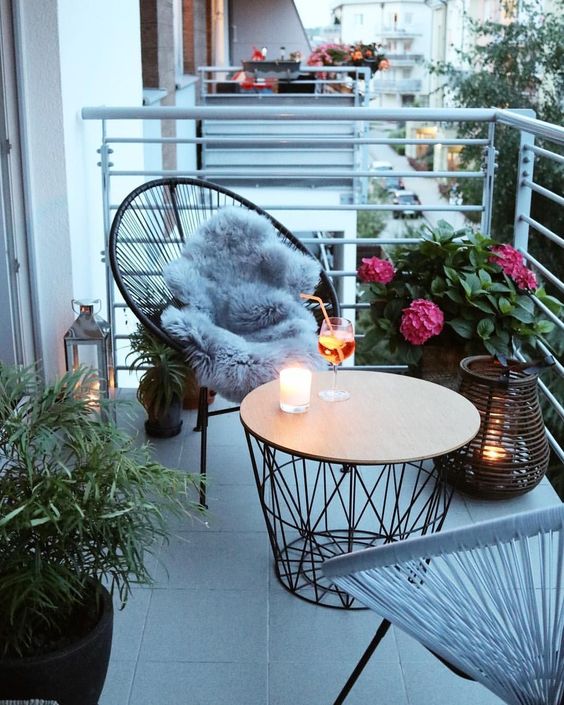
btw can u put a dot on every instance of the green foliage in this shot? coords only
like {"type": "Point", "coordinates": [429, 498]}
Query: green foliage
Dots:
{"type": "Point", "coordinates": [515, 64]}
{"type": "Point", "coordinates": [483, 306]}
{"type": "Point", "coordinates": [164, 374]}
{"type": "Point", "coordinates": [79, 502]}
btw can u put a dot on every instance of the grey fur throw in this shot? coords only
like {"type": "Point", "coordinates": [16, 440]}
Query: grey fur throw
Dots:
{"type": "Point", "coordinates": [242, 318]}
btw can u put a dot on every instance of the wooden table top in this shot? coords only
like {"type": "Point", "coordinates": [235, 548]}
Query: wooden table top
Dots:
{"type": "Point", "coordinates": [389, 418]}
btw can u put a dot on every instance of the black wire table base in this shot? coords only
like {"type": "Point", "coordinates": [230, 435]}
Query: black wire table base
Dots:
{"type": "Point", "coordinates": [315, 510]}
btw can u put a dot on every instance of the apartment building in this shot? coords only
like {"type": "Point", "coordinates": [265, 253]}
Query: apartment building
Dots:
{"type": "Point", "coordinates": [404, 30]}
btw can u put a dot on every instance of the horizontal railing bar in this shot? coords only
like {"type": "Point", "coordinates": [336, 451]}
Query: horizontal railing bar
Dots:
{"type": "Point", "coordinates": [543, 230]}
{"type": "Point", "coordinates": [543, 191]}
{"type": "Point", "coordinates": [370, 207]}
{"type": "Point", "coordinates": [289, 140]}
{"type": "Point", "coordinates": [557, 449]}
{"type": "Point", "coordinates": [547, 312]}
{"type": "Point", "coordinates": [544, 153]}
{"type": "Point", "coordinates": [551, 398]}
{"type": "Point", "coordinates": [543, 270]}
{"type": "Point", "coordinates": [355, 307]}
{"type": "Point", "coordinates": [258, 113]}
{"type": "Point", "coordinates": [532, 125]}
{"type": "Point", "coordinates": [327, 241]}
{"type": "Point", "coordinates": [295, 174]}
{"type": "Point", "coordinates": [547, 351]}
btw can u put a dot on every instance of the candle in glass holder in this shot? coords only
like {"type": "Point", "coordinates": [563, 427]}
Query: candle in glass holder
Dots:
{"type": "Point", "coordinates": [295, 389]}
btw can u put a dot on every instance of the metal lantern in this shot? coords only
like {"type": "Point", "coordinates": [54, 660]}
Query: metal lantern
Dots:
{"type": "Point", "coordinates": [510, 453]}
{"type": "Point", "coordinates": [88, 343]}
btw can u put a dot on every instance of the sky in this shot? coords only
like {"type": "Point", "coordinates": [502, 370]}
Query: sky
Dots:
{"type": "Point", "coordinates": [315, 13]}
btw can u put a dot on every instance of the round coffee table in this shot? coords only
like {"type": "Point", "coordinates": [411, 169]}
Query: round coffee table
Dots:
{"type": "Point", "coordinates": [348, 475]}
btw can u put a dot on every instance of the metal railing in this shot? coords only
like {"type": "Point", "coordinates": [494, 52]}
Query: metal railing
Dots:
{"type": "Point", "coordinates": [323, 201]}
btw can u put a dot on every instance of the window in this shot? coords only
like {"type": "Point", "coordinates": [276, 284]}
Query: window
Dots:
{"type": "Point", "coordinates": [358, 19]}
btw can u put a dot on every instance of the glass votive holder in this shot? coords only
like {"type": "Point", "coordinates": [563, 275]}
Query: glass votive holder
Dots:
{"type": "Point", "coordinates": [295, 389]}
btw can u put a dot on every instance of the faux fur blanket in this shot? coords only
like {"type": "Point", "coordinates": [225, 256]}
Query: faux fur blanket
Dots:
{"type": "Point", "coordinates": [242, 318]}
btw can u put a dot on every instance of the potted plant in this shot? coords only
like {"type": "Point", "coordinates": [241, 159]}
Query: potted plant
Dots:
{"type": "Point", "coordinates": [455, 289]}
{"type": "Point", "coordinates": [81, 506]}
{"type": "Point", "coordinates": [162, 383]}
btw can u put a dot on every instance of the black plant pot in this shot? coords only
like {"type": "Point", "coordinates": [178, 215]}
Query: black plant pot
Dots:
{"type": "Point", "coordinates": [167, 424]}
{"type": "Point", "coordinates": [74, 675]}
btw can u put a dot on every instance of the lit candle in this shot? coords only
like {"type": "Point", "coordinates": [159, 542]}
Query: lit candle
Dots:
{"type": "Point", "coordinates": [295, 389]}
{"type": "Point", "coordinates": [494, 453]}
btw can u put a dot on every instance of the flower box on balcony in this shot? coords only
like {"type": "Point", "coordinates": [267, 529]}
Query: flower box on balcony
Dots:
{"type": "Point", "coordinates": [279, 68]}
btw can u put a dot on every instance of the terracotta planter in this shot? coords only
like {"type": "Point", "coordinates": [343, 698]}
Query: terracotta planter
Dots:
{"type": "Point", "coordinates": [74, 675]}
{"type": "Point", "coordinates": [192, 393]}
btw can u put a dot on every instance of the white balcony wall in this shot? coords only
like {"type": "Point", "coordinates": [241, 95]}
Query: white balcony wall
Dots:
{"type": "Point", "coordinates": [71, 54]}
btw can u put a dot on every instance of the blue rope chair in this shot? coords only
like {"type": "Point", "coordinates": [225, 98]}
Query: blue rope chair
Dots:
{"type": "Point", "coordinates": [487, 599]}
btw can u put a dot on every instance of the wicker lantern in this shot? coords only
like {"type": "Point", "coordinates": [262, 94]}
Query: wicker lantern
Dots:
{"type": "Point", "coordinates": [88, 343]}
{"type": "Point", "coordinates": [510, 453]}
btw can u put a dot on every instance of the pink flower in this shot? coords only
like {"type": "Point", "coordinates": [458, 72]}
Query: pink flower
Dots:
{"type": "Point", "coordinates": [421, 320]}
{"type": "Point", "coordinates": [525, 279]}
{"type": "Point", "coordinates": [513, 264]}
{"type": "Point", "coordinates": [508, 258]}
{"type": "Point", "coordinates": [374, 269]}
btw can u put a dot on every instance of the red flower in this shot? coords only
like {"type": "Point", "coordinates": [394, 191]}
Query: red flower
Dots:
{"type": "Point", "coordinates": [374, 269]}
{"type": "Point", "coordinates": [421, 320]}
{"type": "Point", "coordinates": [513, 264]}
{"type": "Point", "coordinates": [525, 279]}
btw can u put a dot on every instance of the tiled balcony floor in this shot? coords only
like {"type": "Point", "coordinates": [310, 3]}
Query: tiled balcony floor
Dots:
{"type": "Point", "coordinates": [218, 629]}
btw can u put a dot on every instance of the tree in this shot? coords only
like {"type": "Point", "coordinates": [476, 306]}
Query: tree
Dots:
{"type": "Point", "coordinates": [518, 64]}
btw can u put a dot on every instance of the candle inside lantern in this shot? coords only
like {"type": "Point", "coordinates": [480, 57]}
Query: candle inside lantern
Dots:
{"type": "Point", "coordinates": [494, 453]}
{"type": "Point", "coordinates": [295, 389]}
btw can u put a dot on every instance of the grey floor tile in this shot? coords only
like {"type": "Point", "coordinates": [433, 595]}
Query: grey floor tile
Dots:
{"type": "Point", "coordinates": [118, 683]}
{"type": "Point", "coordinates": [173, 683]}
{"type": "Point", "coordinates": [230, 465]}
{"type": "Point", "coordinates": [129, 624]}
{"type": "Point", "coordinates": [205, 559]}
{"type": "Point", "coordinates": [305, 682]}
{"type": "Point", "coordinates": [429, 681]}
{"type": "Point", "coordinates": [436, 685]}
{"type": "Point", "coordinates": [232, 508]}
{"type": "Point", "coordinates": [206, 625]}
{"type": "Point", "coordinates": [314, 634]}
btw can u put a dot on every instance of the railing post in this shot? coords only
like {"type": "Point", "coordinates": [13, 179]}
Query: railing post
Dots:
{"type": "Point", "coordinates": [523, 193]}
{"type": "Point", "coordinates": [105, 151]}
{"type": "Point", "coordinates": [489, 165]}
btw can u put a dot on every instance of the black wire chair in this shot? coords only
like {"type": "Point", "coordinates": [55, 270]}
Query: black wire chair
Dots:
{"type": "Point", "coordinates": [149, 230]}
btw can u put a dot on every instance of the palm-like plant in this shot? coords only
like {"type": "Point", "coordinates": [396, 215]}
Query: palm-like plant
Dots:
{"type": "Point", "coordinates": [164, 372]}
{"type": "Point", "coordinates": [80, 504]}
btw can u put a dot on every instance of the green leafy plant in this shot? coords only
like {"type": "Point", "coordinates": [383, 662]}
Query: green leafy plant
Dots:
{"type": "Point", "coordinates": [164, 372]}
{"type": "Point", "coordinates": [454, 286]}
{"type": "Point", "coordinates": [80, 503]}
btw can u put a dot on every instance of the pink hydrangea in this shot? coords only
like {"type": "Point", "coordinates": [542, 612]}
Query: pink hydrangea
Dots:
{"type": "Point", "coordinates": [421, 320]}
{"type": "Point", "coordinates": [508, 258]}
{"type": "Point", "coordinates": [513, 264]}
{"type": "Point", "coordinates": [525, 279]}
{"type": "Point", "coordinates": [374, 269]}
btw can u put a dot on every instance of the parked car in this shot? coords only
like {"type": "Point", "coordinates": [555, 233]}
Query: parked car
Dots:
{"type": "Point", "coordinates": [406, 199]}
{"type": "Point", "coordinates": [381, 166]}
{"type": "Point", "coordinates": [393, 183]}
